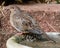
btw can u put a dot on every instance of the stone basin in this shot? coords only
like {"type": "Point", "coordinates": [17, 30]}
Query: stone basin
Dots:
{"type": "Point", "coordinates": [53, 35]}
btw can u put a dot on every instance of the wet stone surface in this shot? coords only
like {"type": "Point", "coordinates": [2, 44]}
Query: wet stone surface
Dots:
{"type": "Point", "coordinates": [36, 43]}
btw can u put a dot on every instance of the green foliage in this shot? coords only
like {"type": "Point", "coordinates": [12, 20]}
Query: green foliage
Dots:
{"type": "Point", "coordinates": [58, 1]}
{"type": "Point", "coordinates": [18, 39]}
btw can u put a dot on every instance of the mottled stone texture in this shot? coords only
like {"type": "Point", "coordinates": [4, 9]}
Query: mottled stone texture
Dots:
{"type": "Point", "coordinates": [48, 17]}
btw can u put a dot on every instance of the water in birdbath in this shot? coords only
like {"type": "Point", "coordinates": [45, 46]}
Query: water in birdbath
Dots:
{"type": "Point", "coordinates": [33, 42]}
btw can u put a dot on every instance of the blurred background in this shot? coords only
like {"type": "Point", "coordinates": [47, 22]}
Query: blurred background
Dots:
{"type": "Point", "coordinates": [9, 2]}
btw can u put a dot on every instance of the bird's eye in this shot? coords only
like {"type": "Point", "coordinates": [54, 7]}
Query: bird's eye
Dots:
{"type": "Point", "coordinates": [24, 23]}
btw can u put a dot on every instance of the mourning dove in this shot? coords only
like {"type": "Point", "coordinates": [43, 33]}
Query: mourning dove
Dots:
{"type": "Point", "coordinates": [24, 22]}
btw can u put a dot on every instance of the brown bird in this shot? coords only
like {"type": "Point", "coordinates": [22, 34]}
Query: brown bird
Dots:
{"type": "Point", "coordinates": [24, 22]}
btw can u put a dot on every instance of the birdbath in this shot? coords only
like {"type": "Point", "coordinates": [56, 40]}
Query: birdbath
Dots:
{"type": "Point", "coordinates": [13, 43]}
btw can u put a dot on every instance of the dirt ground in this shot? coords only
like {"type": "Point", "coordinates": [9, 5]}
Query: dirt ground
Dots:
{"type": "Point", "coordinates": [48, 17]}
